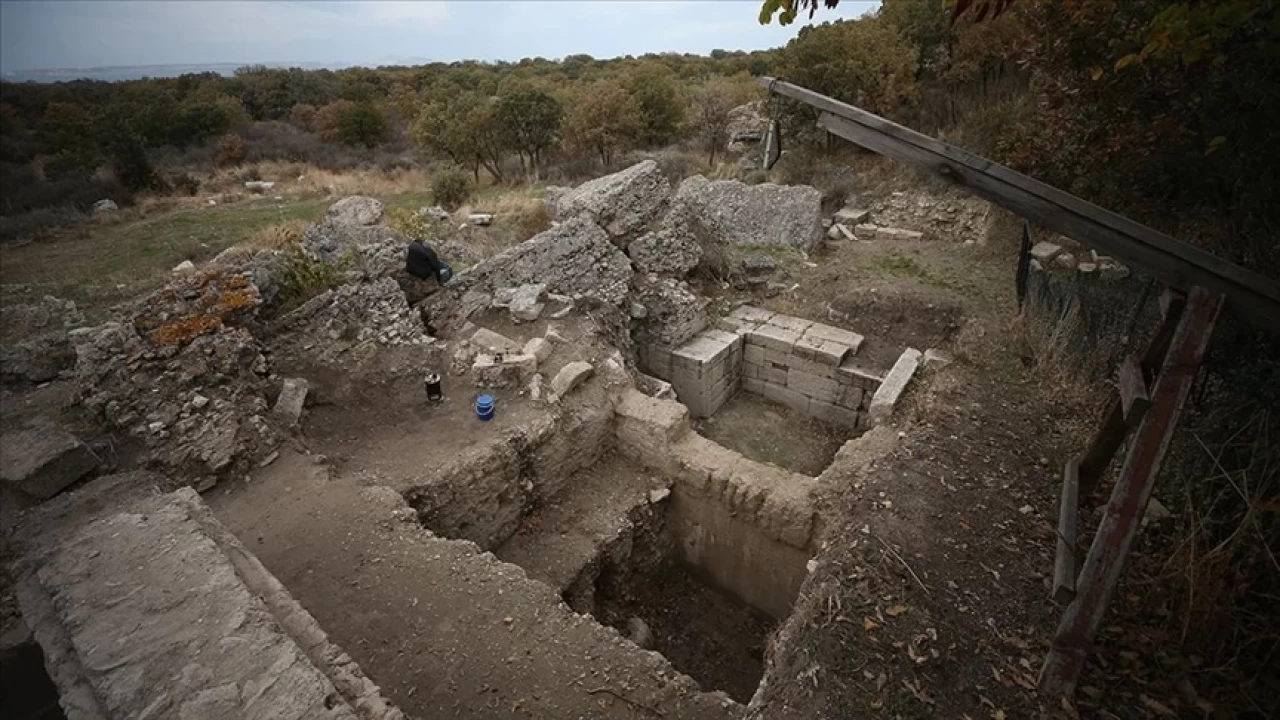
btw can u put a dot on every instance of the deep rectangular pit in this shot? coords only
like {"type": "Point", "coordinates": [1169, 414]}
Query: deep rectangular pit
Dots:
{"type": "Point", "coordinates": [620, 543]}
{"type": "Point", "coordinates": [643, 588]}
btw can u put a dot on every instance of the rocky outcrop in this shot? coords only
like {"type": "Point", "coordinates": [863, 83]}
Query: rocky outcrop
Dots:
{"type": "Point", "coordinates": [356, 210]}
{"type": "Point", "coordinates": [349, 328]}
{"type": "Point", "coordinates": [672, 312]}
{"type": "Point", "coordinates": [33, 339]}
{"type": "Point", "coordinates": [377, 251]}
{"type": "Point", "coordinates": [747, 125]}
{"type": "Point", "coordinates": [622, 203]}
{"type": "Point", "coordinates": [733, 213]}
{"type": "Point", "coordinates": [182, 375]}
{"type": "Point", "coordinates": [665, 251]}
{"type": "Point", "coordinates": [574, 258]}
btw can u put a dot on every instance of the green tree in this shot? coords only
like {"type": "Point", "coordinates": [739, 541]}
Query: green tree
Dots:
{"type": "Point", "coordinates": [462, 126]}
{"type": "Point", "coordinates": [656, 95]}
{"type": "Point", "coordinates": [864, 62]}
{"type": "Point", "coordinates": [67, 132]}
{"type": "Point", "coordinates": [361, 124]}
{"type": "Point", "coordinates": [600, 118]}
{"type": "Point", "coordinates": [529, 120]}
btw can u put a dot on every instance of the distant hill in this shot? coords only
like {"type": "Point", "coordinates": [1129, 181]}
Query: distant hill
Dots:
{"type": "Point", "coordinates": [134, 72]}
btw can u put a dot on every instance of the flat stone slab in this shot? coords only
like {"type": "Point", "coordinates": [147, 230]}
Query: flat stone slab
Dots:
{"type": "Point", "coordinates": [43, 461]}
{"type": "Point", "coordinates": [748, 313]}
{"type": "Point", "coordinates": [894, 384]}
{"type": "Point", "coordinates": [293, 395]}
{"type": "Point", "coordinates": [494, 342]}
{"type": "Point", "coordinates": [853, 216]}
{"type": "Point", "coordinates": [151, 613]}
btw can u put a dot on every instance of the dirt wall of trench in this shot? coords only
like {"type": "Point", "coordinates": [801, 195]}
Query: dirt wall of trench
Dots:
{"type": "Point", "coordinates": [483, 494]}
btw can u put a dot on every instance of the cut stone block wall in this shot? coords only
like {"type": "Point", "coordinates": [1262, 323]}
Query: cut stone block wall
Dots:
{"type": "Point", "coordinates": [804, 365]}
{"type": "Point", "coordinates": [483, 493]}
{"type": "Point", "coordinates": [705, 371]}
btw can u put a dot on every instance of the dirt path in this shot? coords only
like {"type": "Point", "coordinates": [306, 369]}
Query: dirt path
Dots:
{"type": "Point", "coordinates": [447, 631]}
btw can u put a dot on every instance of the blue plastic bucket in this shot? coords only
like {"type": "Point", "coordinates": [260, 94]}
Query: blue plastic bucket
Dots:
{"type": "Point", "coordinates": [484, 407]}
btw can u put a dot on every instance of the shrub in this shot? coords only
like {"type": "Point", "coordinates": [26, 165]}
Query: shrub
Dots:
{"type": "Point", "coordinates": [36, 222]}
{"type": "Point", "coordinates": [185, 184]}
{"type": "Point", "coordinates": [327, 119]}
{"type": "Point", "coordinates": [450, 188]}
{"type": "Point", "coordinates": [23, 193]}
{"type": "Point", "coordinates": [304, 276]}
{"type": "Point", "coordinates": [303, 116]}
{"type": "Point", "coordinates": [414, 224]}
{"type": "Point", "coordinates": [280, 235]}
{"type": "Point", "coordinates": [231, 150]}
{"type": "Point", "coordinates": [361, 124]}
{"type": "Point", "coordinates": [129, 162]}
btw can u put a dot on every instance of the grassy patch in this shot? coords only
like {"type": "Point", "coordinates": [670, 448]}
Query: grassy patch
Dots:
{"type": "Point", "coordinates": [908, 266]}
{"type": "Point", "coordinates": [101, 264]}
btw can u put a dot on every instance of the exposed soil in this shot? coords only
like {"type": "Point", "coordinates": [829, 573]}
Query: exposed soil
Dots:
{"type": "Point", "coordinates": [445, 630]}
{"type": "Point", "coordinates": [705, 633]}
{"type": "Point", "coordinates": [769, 432]}
{"type": "Point", "coordinates": [562, 536]}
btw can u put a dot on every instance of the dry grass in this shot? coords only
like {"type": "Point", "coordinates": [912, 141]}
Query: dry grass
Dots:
{"type": "Point", "coordinates": [277, 236]}
{"type": "Point", "coordinates": [1046, 345]}
{"type": "Point", "coordinates": [302, 180]}
{"type": "Point", "coordinates": [519, 213]}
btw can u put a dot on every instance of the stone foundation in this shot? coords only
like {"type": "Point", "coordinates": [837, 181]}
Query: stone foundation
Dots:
{"type": "Point", "coordinates": [807, 366]}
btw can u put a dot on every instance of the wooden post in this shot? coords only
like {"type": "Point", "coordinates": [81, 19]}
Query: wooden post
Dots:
{"type": "Point", "coordinates": [1133, 391]}
{"type": "Point", "coordinates": [1123, 514]}
{"type": "Point", "coordinates": [1114, 429]}
{"type": "Point", "coordinates": [1064, 562]}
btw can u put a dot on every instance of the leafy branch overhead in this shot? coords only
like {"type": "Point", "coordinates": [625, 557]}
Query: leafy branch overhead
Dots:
{"type": "Point", "coordinates": [787, 10]}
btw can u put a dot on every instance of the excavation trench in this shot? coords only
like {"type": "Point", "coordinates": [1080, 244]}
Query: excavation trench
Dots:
{"type": "Point", "coordinates": [667, 556]}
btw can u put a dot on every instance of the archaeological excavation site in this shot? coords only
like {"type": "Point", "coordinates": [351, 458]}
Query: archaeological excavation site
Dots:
{"type": "Point", "coordinates": [579, 480]}
{"type": "Point", "coordinates": [703, 449]}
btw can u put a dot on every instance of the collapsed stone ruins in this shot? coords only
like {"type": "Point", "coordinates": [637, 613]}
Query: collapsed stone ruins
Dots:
{"type": "Point", "coordinates": [542, 533]}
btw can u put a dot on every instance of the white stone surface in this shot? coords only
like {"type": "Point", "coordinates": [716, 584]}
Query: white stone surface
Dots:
{"type": "Point", "coordinates": [894, 384]}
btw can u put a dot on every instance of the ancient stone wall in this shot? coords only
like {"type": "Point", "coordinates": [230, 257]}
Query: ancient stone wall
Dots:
{"type": "Point", "coordinates": [807, 366]}
{"type": "Point", "coordinates": [747, 526]}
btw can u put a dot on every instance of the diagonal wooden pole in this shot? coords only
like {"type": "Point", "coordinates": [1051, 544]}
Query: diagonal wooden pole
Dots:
{"type": "Point", "coordinates": [1123, 514]}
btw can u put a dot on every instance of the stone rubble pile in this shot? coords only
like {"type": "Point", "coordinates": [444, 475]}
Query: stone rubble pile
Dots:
{"type": "Point", "coordinates": [33, 339]}
{"type": "Point", "coordinates": [347, 328]}
{"type": "Point", "coordinates": [196, 403]}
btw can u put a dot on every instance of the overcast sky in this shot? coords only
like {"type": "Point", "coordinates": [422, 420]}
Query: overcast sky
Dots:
{"type": "Point", "coordinates": [78, 34]}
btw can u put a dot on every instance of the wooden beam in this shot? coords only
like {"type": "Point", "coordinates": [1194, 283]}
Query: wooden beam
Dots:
{"type": "Point", "coordinates": [1105, 561]}
{"type": "Point", "coordinates": [1064, 562]}
{"type": "Point", "coordinates": [1114, 429]}
{"type": "Point", "coordinates": [1133, 391]}
{"type": "Point", "coordinates": [1175, 263]}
